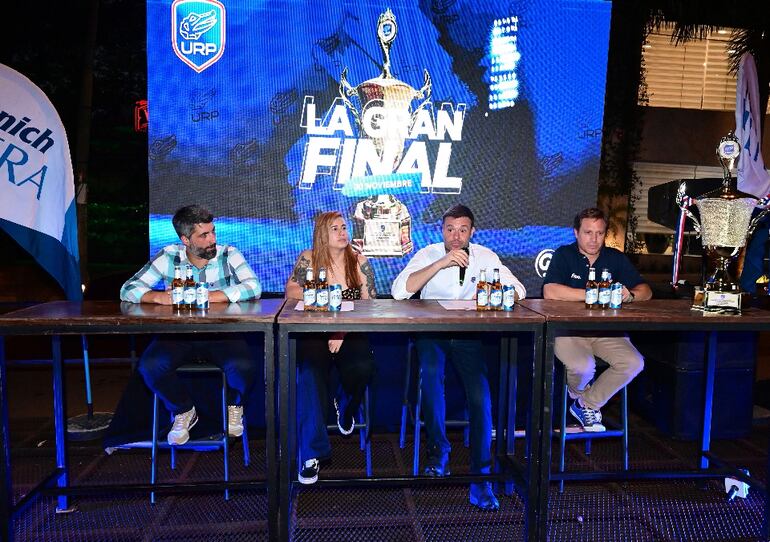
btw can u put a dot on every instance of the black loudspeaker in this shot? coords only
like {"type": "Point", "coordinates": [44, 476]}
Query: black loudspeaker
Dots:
{"type": "Point", "coordinates": [661, 199]}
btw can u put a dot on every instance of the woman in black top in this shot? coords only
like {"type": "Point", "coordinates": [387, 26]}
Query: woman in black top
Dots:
{"type": "Point", "coordinates": [316, 353]}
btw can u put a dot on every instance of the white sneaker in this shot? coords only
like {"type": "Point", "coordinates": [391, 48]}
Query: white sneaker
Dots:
{"type": "Point", "coordinates": [234, 420]}
{"type": "Point", "coordinates": [180, 431]}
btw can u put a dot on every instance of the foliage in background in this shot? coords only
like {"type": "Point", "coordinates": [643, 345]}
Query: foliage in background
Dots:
{"type": "Point", "coordinates": [117, 233]}
{"type": "Point", "coordinates": [623, 118]}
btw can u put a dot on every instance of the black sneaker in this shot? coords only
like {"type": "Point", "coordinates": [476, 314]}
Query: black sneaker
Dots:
{"type": "Point", "coordinates": [437, 465]}
{"type": "Point", "coordinates": [590, 419]}
{"type": "Point", "coordinates": [308, 474]}
{"type": "Point", "coordinates": [346, 423]}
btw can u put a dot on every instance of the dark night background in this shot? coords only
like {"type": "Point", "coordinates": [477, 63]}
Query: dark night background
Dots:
{"type": "Point", "coordinates": [48, 43]}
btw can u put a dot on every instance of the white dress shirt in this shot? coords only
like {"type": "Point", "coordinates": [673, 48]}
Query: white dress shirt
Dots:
{"type": "Point", "coordinates": [446, 283]}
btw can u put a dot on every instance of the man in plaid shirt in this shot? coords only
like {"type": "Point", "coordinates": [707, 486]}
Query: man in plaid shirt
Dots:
{"type": "Point", "coordinates": [232, 280]}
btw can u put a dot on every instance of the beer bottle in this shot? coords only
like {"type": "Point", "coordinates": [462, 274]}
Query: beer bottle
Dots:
{"type": "Point", "coordinates": [322, 291]}
{"type": "Point", "coordinates": [604, 289]}
{"type": "Point", "coordinates": [496, 292]}
{"type": "Point", "coordinates": [177, 289]}
{"type": "Point", "coordinates": [189, 289]}
{"type": "Point", "coordinates": [308, 293]}
{"type": "Point", "coordinates": [592, 290]}
{"type": "Point", "coordinates": [482, 292]}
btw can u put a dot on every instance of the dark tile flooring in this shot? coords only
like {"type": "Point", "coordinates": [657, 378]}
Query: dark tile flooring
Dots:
{"type": "Point", "coordinates": [639, 511]}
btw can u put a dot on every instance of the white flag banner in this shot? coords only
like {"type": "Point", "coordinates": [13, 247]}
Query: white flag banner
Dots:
{"type": "Point", "coordinates": [37, 192]}
{"type": "Point", "coordinates": [752, 175]}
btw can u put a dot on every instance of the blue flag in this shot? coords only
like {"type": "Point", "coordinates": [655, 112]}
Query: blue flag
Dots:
{"type": "Point", "coordinates": [37, 192]}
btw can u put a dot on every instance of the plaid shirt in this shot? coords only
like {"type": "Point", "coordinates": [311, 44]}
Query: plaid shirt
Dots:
{"type": "Point", "coordinates": [228, 271]}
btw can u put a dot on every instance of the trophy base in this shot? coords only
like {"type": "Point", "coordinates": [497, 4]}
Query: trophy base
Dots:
{"type": "Point", "coordinates": [717, 302]}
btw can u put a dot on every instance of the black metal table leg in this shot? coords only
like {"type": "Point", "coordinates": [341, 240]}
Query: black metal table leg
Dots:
{"type": "Point", "coordinates": [60, 424]}
{"type": "Point", "coordinates": [6, 494]}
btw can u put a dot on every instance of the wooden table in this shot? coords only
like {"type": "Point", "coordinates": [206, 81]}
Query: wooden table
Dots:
{"type": "Point", "coordinates": [571, 318]}
{"type": "Point", "coordinates": [109, 318]}
{"type": "Point", "coordinates": [417, 316]}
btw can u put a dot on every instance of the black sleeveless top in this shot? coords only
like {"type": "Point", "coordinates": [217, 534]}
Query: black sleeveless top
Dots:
{"type": "Point", "coordinates": [351, 294]}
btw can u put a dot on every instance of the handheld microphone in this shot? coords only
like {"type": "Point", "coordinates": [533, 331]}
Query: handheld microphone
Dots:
{"type": "Point", "coordinates": [462, 269]}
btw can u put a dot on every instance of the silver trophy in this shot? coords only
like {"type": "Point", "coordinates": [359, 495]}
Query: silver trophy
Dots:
{"type": "Point", "coordinates": [725, 225]}
{"type": "Point", "coordinates": [382, 224]}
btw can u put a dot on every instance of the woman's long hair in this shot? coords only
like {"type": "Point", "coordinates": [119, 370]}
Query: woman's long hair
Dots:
{"type": "Point", "coordinates": [320, 254]}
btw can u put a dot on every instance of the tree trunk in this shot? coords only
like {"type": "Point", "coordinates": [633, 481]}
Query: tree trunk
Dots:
{"type": "Point", "coordinates": [82, 144]}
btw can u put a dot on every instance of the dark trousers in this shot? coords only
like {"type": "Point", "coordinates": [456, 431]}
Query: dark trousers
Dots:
{"type": "Point", "coordinates": [163, 356]}
{"type": "Point", "coordinates": [355, 365]}
{"type": "Point", "coordinates": [472, 369]}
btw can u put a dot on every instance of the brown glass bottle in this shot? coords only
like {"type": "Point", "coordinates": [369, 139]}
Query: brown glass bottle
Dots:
{"type": "Point", "coordinates": [482, 292]}
{"type": "Point", "coordinates": [177, 289]}
{"type": "Point", "coordinates": [189, 289]}
{"type": "Point", "coordinates": [592, 290]}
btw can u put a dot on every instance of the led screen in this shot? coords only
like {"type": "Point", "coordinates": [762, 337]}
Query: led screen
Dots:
{"type": "Point", "coordinates": [389, 112]}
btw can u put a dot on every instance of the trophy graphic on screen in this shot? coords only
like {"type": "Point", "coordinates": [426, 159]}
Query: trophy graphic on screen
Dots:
{"type": "Point", "coordinates": [382, 224]}
{"type": "Point", "coordinates": [725, 224]}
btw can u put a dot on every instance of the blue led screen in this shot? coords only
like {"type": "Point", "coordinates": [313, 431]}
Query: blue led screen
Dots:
{"type": "Point", "coordinates": [268, 113]}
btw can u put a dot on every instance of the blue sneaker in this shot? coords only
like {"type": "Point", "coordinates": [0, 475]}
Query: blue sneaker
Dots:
{"type": "Point", "coordinates": [590, 419]}
{"type": "Point", "coordinates": [483, 497]}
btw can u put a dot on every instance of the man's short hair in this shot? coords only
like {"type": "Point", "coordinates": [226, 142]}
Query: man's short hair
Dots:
{"type": "Point", "coordinates": [458, 211]}
{"type": "Point", "coordinates": [187, 217]}
{"type": "Point", "coordinates": [591, 212]}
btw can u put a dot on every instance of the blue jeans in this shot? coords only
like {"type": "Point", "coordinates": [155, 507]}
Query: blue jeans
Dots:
{"type": "Point", "coordinates": [163, 356]}
{"type": "Point", "coordinates": [472, 369]}
{"type": "Point", "coordinates": [355, 365]}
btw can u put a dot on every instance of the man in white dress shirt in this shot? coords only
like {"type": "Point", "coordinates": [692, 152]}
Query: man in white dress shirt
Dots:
{"type": "Point", "coordinates": [450, 270]}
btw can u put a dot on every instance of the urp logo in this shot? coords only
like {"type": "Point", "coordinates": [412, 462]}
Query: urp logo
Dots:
{"type": "Point", "coordinates": [542, 261]}
{"type": "Point", "coordinates": [198, 32]}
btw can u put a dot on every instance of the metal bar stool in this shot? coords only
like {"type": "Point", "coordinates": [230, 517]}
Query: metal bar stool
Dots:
{"type": "Point", "coordinates": [405, 413]}
{"type": "Point", "coordinates": [588, 436]}
{"type": "Point", "coordinates": [222, 442]}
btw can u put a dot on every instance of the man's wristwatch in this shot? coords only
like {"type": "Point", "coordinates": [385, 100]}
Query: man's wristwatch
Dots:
{"type": "Point", "coordinates": [631, 296]}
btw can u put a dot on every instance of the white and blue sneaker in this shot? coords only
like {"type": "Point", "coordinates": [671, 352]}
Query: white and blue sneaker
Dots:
{"type": "Point", "coordinates": [590, 419]}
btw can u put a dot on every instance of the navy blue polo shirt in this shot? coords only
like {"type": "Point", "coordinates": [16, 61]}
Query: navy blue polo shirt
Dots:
{"type": "Point", "coordinates": [569, 267]}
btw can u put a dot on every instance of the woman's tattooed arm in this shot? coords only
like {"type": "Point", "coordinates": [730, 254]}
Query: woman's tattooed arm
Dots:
{"type": "Point", "coordinates": [366, 269]}
{"type": "Point", "coordinates": [300, 269]}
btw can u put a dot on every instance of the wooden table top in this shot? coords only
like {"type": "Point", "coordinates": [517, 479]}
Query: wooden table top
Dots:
{"type": "Point", "coordinates": [63, 314]}
{"type": "Point", "coordinates": [413, 311]}
{"type": "Point", "coordinates": [655, 311]}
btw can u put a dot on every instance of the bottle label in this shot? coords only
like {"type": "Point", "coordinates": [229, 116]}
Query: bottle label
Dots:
{"type": "Point", "coordinates": [322, 298]}
{"type": "Point", "coordinates": [482, 298]}
{"type": "Point", "coordinates": [592, 296]}
{"type": "Point", "coordinates": [604, 296]}
{"type": "Point", "coordinates": [189, 296]}
{"type": "Point", "coordinates": [177, 295]}
{"type": "Point", "coordinates": [496, 298]}
{"type": "Point", "coordinates": [308, 297]}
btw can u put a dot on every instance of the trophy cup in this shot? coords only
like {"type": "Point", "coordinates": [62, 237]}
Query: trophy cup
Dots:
{"type": "Point", "coordinates": [725, 225]}
{"type": "Point", "coordinates": [382, 224]}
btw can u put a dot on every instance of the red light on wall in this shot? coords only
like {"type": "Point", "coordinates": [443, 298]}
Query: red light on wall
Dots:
{"type": "Point", "coordinates": [141, 116]}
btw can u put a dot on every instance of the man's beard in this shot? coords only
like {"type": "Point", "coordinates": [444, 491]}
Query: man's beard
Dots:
{"type": "Point", "coordinates": [205, 253]}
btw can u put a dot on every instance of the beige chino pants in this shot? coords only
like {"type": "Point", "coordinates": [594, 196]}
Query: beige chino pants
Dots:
{"type": "Point", "coordinates": [578, 354]}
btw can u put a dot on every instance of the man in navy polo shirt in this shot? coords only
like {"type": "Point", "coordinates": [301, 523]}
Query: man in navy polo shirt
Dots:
{"type": "Point", "coordinates": [566, 280]}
